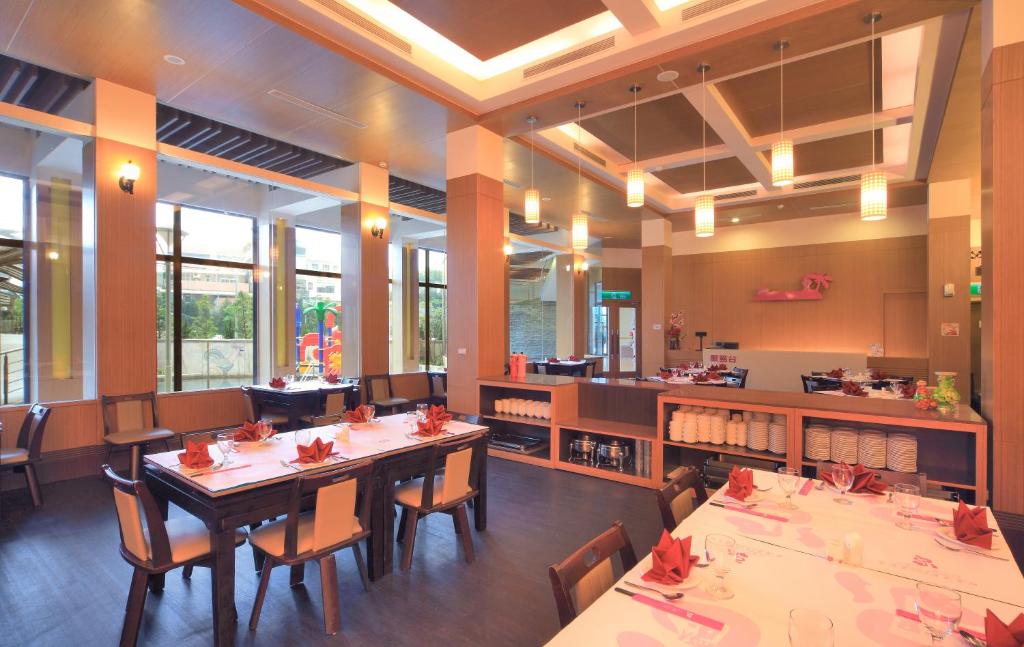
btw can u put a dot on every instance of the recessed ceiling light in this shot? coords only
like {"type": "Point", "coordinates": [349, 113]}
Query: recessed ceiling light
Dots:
{"type": "Point", "coordinates": [781, 207]}
{"type": "Point", "coordinates": [735, 220]}
{"type": "Point", "coordinates": [382, 164]}
{"type": "Point", "coordinates": [546, 198]}
{"type": "Point", "coordinates": [667, 76]}
{"type": "Point", "coordinates": [173, 60]}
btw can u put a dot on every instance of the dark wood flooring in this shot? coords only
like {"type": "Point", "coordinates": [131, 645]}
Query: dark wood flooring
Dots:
{"type": "Point", "coordinates": [62, 581]}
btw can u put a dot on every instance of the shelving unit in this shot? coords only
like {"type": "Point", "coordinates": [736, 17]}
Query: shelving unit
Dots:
{"type": "Point", "coordinates": [522, 420]}
{"type": "Point", "coordinates": [730, 450]}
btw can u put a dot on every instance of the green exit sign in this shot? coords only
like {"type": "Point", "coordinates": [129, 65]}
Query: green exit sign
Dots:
{"type": "Point", "coordinates": [616, 295]}
{"type": "Point", "coordinates": [976, 289]}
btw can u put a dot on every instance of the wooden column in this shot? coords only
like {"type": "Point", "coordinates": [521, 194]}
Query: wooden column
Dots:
{"type": "Point", "coordinates": [656, 284]}
{"type": "Point", "coordinates": [123, 256]}
{"type": "Point", "coordinates": [570, 306]}
{"type": "Point", "coordinates": [1002, 230]}
{"type": "Point", "coordinates": [477, 299]}
{"type": "Point", "coordinates": [579, 309]}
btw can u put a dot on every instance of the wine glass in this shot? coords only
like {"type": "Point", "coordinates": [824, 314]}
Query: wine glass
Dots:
{"type": "Point", "coordinates": [720, 551]}
{"type": "Point", "coordinates": [303, 437]}
{"type": "Point", "coordinates": [908, 498]}
{"type": "Point", "coordinates": [789, 477]}
{"type": "Point", "coordinates": [372, 411]}
{"type": "Point", "coordinates": [421, 411]}
{"type": "Point", "coordinates": [226, 445]}
{"type": "Point", "coordinates": [938, 609]}
{"type": "Point", "coordinates": [808, 628]}
{"type": "Point", "coordinates": [842, 476]}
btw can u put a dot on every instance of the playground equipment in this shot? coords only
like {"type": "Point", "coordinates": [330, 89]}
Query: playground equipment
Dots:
{"type": "Point", "coordinates": [311, 351]}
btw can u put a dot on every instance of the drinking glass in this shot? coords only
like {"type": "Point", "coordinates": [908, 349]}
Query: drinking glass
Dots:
{"type": "Point", "coordinates": [938, 609]}
{"type": "Point", "coordinates": [842, 476]}
{"type": "Point", "coordinates": [303, 437]}
{"type": "Point", "coordinates": [226, 445]}
{"type": "Point", "coordinates": [808, 628]}
{"type": "Point", "coordinates": [288, 379]}
{"type": "Point", "coordinates": [720, 551]}
{"type": "Point", "coordinates": [421, 411]}
{"type": "Point", "coordinates": [372, 410]}
{"type": "Point", "coordinates": [789, 477]}
{"type": "Point", "coordinates": [908, 498]}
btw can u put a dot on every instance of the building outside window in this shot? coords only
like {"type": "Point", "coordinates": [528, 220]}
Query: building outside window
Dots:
{"type": "Point", "coordinates": [13, 341]}
{"type": "Point", "coordinates": [532, 306]}
{"type": "Point", "coordinates": [433, 309]}
{"type": "Point", "coordinates": [318, 300]}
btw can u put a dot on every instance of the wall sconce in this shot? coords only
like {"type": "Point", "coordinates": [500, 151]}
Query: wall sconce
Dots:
{"type": "Point", "coordinates": [580, 267]}
{"type": "Point", "coordinates": [379, 225]}
{"type": "Point", "coordinates": [507, 249]}
{"type": "Point", "coordinates": [129, 173]}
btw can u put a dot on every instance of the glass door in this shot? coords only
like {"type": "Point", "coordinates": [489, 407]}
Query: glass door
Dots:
{"type": "Point", "coordinates": [624, 345]}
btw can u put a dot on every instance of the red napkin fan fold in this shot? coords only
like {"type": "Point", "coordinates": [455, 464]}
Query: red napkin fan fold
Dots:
{"type": "Point", "coordinates": [250, 431]}
{"type": "Point", "coordinates": [332, 378]}
{"type": "Point", "coordinates": [999, 634]}
{"type": "Point", "coordinates": [438, 412]}
{"type": "Point", "coordinates": [277, 382]}
{"type": "Point", "coordinates": [741, 483]}
{"type": "Point", "coordinates": [362, 413]}
{"type": "Point", "coordinates": [430, 427]}
{"type": "Point", "coordinates": [864, 480]}
{"type": "Point", "coordinates": [196, 455]}
{"type": "Point", "coordinates": [670, 560]}
{"type": "Point", "coordinates": [316, 452]}
{"type": "Point", "coordinates": [971, 526]}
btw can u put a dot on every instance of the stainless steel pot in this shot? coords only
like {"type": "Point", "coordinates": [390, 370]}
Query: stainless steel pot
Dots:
{"type": "Point", "coordinates": [583, 449]}
{"type": "Point", "coordinates": [614, 453]}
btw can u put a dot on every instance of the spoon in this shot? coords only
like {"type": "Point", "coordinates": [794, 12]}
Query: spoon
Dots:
{"type": "Point", "coordinates": [968, 550]}
{"type": "Point", "coordinates": [667, 596]}
{"type": "Point", "coordinates": [972, 639]}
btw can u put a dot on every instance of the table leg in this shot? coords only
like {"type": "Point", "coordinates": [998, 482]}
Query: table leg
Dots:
{"type": "Point", "coordinates": [222, 543]}
{"type": "Point", "coordinates": [480, 501]}
{"type": "Point", "coordinates": [156, 582]}
{"type": "Point", "coordinates": [375, 543]}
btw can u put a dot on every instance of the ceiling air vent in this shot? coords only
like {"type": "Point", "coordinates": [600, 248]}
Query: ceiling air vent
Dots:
{"type": "Point", "coordinates": [365, 24]}
{"type": "Point", "coordinates": [569, 57]}
{"type": "Point", "coordinates": [593, 157]}
{"type": "Point", "coordinates": [738, 194]}
{"type": "Point", "coordinates": [318, 109]}
{"type": "Point", "coordinates": [827, 182]}
{"type": "Point", "coordinates": [700, 8]}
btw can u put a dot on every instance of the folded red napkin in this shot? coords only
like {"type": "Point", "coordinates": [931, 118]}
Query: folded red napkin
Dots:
{"type": "Point", "coordinates": [971, 526]}
{"type": "Point", "coordinates": [836, 372]}
{"type": "Point", "coordinates": [552, 360]}
{"type": "Point", "coordinates": [701, 377]}
{"type": "Point", "coordinates": [315, 452]}
{"type": "Point", "coordinates": [362, 413]}
{"type": "Point", "coordinates": [331, 378]}
{"type": "Point", "coordinates": [713, 375]}
{"type": "Point", "coordinates": [251, 431]}
{"type": "Point", "coordinates": [437, 412]}
{"type": "Point", "coordinates": [741, 483]}
{"type": "Point", "coordinates": [852, 388]}
{"type": "Point", "coordinates": [573, 358]}
{"type": "Point", "coordinates": [665, 374]}
{"type": "Point", "coordinates": [864, 480]}
{"type": "Point", "coordinates": [908, 390]}
{"type": "Point", "coordinates": [277, 382]}
{"type": "Point", "coordinates": [878, 375]}
{"type": "Point", "coordinates": [684, 365]}
{"type": "Point", "coordinates": [998, 634]}
{"type": "Point", "coordinates": [430, 427]}
{"type": "Point", "coordinates": [196, 455]}
{"type": "Point", "coordinates": [670, 560]}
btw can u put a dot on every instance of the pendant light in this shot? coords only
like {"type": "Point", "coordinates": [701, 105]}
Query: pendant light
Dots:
{"type": "Point", "coordinates": [782, 150]}
{"type": "Point", "coordinates": [874, 190]}
{"type": "Point", "coordinates": [635, 177]}
{"type": "Point", "coordinates": [704, 207]}
{"type": "Point", "coordinates": [580, 228]}
{"type": "Point", "coordinates": [531, 208]}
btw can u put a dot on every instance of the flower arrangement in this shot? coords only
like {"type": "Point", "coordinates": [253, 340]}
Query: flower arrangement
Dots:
{"type": "Point", "coordinates": [674, 332]}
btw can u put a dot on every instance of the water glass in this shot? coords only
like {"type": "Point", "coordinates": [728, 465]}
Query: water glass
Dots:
{"type": "Point", "coordinates": [372, 410]}
{"type": "Point", "coordinates": [303, 437]}
{"type": "Point", "coordinates": [789, 478]}
{"type": "Point", "coordinates": [226, 445]}
{"type": "Point", "coordinates": [720, 551]}
{"type": "Point", "coordinates": [908, 498]}
{"type": "Point", "coordinates": [842, 476]}
{"type": "Point", "coordinates": [421, 411]}
{"type": "Point", "coordinates": [809, 628]}
{"type": "Point", "coordinates": [939, 610]}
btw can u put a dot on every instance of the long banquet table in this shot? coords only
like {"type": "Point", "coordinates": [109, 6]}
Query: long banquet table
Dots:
{"type": "Point", "coordinates": [233, 498]}
{"type": "Point", "coordinates": [782, 565]}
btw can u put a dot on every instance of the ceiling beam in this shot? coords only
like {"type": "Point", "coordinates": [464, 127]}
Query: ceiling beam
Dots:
{"type": "Point", "coordinates": [637, 16]}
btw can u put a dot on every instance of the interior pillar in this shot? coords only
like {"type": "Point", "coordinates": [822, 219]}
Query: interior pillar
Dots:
{"type": "Point", "coordinates": [565, 306]}
{"type": "Point", "coordinates": [477, 226]}
{"type": "Point", "coordinates": [579, 307]}
{"type": "Point", "coordinates": [655, 285]}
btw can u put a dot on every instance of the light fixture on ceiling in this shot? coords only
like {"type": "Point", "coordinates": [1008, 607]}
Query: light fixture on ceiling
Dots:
{"type": "Point", "coordinates": [735, 220]}
{"type": "Point", "coordinates": [635, 177]}
{"type": "Point", "coordinates": [667, 76]}
{"type": "Point", "coordinates": [704, 207]}
{"type": "Point", "coordinates": [128, 175]}
{"type": "Point", "coordinates": [580, 226]}
{"type": "Point", "coordinates": [874, 190]}
{"type": "Point", "coordinates": [782, 150]}
{"type": "Point", "coordinates": [531, 206]}
{"type": "Point", "coordinates": [173, 59]}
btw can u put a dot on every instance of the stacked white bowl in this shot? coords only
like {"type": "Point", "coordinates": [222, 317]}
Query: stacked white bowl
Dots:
{"type": "Point", "coordinates": [525, 408]}
{"type": "Point", "coordinates": [675, 424]}
{"type": "Point", "coordinates": [844, 445]}
{"type": "Point", "coordinates": [818, 442]}
{"type": "Point", "coordinates": [718, 422]}
{"type": "Point", "coordinates": [872, 448]}
{"type": "Point", "coordinates": [690, 426]}
{"type": "Point", "coordinates": [901, 453]}
{"type": "Point", "coordinates": [704, 426]}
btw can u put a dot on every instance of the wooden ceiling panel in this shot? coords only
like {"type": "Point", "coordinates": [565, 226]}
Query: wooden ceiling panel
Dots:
{"type": "Point", "coordinates": [721, 173]}
{"type": "Point", "coordinates": [667, 125]}
{"type": "Point", "coordinates": [830, 86]}
{"type": "Point", "coordinates": [835, 154]}
{"type": "Point", "coordinates": [486, 28]}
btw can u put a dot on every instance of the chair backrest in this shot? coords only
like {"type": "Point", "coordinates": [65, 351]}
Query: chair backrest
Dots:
{"type": "Point", "coordinates": [680, 497]}
{"type": "Point", "coordinates": [919, 479]}
{"type": "Point", "coordinates": [812, 384]}
{"type": "Point", "coordinates": [251, 410]}
{"type": "Point", "coordinates": [143, 533]}
{"type": "Point", "coordinates": [738, 379]}
{"type": "Point", "coordinates": [334, 403]}
{"type": "Point", "coordinates": [342, 500]}
{"type": "Point", "coordinates": [583, 576]}
{"type": "Point", "coordinates": [329, 419]}
{"type": "Point", "coordinates": [132, 412]}
{"type": "Point", "coordinates": [542, 368]}
{"type": "Point", "coordinates": [462, 457]}
{"type": "Point", "coordinates": [439, 385]}
{"type": "Point", "coordinates": [591, 368]}
{"type": "Point", "coordinates": [30, 436]}
{"type": "Point", "coordinates": [469, 418]}
{"type": "Point", "coordinates": [378, 387]}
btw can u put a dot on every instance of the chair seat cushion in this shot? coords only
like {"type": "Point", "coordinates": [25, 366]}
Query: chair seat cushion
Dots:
{"type": "Point", "coordinates": [138, 437]}
{"type": "Point", "coordinates": [410, 493]}
{"type": "Point", "coordinates": [190, 538]}
{"type": "Point", "coordinates": [270, 537]}
{"type": "Point", "coordinates": [13, 456]}
{"type": "Point", "coordinates": [390, 402]}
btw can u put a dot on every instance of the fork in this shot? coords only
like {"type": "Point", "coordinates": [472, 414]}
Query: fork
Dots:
{"type": "Point", "coordinates": [968, 550]}
{"type": "Point", "coordinates": [285, 463]}
{"type": "Point", "coordinates": [668, 596]}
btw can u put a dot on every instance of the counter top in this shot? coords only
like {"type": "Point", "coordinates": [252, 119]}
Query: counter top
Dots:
{"type": "Point", "coordinates": [535, 379]}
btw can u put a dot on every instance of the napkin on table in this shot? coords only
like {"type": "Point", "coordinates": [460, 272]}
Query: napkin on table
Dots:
{"type": "Point", "coordinates": [864, 480]}
{"type": "Point", "coordinates": [332, 378]}
{"type": "Point", "coordinates": [971, 526]}
{"type": "Point", "coordinates": [316, 452]}
{"type": "Point", "coordinates": [250, 431]}
{"type": "Point", "coordinates": [438, 412]}
{"type": "Point", "coordinates": [552, 360]}
{"type": "Point", "coordinates": [999, 634]}
{"type": "Point", "coordinates": [362, 413]}
{"type": "Point", "coordinates": [277, 382]}
{"type": "Point", "coordinates": [741, 483]}
{"type": "Point", "coordinates": [670, 560]}
{"type": "Point", "coordinates": [430, 427]}
{"type": "Point", "coordinates": [196, 455]}
{"type": "Point", "coordinates": [852, 388]}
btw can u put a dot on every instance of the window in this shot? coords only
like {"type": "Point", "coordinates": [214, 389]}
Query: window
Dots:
{"type": "Point", "coordinates": [318, 300]}
{"type": "Point", "coordinates": [433, 305]}
{"type": "Point", "coordinates": [532, 304]}
{"type": "Point", "coordinates": [206, 315]}
{"type": "Point", "coordinates": [13, 368]}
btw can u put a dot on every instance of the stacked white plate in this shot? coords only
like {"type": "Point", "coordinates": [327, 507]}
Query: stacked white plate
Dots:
{"type": "Point", "coordinates": [757, 435]}
{"type": "Point", "coordinates": [818, 442]}
{"type": "Point", "coordinates": [871, 448]}
{"type": "Point", "coordinates": [730, 432]}
{"type": "Point", "coordinates": [844, 445]}
{"type": "Point", "coordinates": [525, 408]}
{"type": "Point", "coordinates": [777, 439]}
{"type": "Point", "coordinates": [704, 427]}
{"type": "Point", "coordinates": [748, 416]}
{"type": "Point", "coordinates": [718, 428]}
{"type": "Point", "coordinates": [901, 453]}
{"type": "Point", "coordinates": [675, 426]}
{"type": "Point", "coordinates": [690, 427]}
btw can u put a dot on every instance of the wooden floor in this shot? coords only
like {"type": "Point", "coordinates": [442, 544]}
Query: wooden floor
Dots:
{"type": "Point", "coordinates": [62, 581]}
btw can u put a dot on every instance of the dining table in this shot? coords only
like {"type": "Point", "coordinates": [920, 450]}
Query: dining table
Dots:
{"type": "Point", "coordinates": [788, 559]}
{"type": "Point", "coordinates": [256, 482]}
{"type": "Point", "coordinates": [302, 397]}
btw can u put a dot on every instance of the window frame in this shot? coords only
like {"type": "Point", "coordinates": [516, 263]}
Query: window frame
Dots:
{"type": "Point", "coordinates": [426, 285]}
{"type": "Point", "coordinates": [26, 291]}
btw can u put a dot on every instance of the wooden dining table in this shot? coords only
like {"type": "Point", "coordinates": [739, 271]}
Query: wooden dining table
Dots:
{"type": "Point", "coordinates": [255, 486]}
{"type": "Point", "coordinates": [302, 398]}
{"type": "Point", "coordinates": [781, 563]}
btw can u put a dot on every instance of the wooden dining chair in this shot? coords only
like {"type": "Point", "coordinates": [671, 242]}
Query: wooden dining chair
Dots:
{"type": "Point", "coordinates": [323, 421]}
{"type": "Point", "coordinates": [438, 388]}
{"type": "Point", "coordinates": [447, 493]}
{"type": "Point", "coordinates": [920, 479]}
{"type": "Point", "coordinates": [814, 383]}
{"type": "Point", "coordinates": [586, 574]}
{"type": "Point", "coordinates": [25, 453]}
{"type": "Point", "coordinates": [738, 378]}
{"type": "Point", "coordinates": [680, 497]}
{"type": "Point", "coordinates": [379, 393]}
{"type": "Point", "coordinates": [340, 518]}
{"type": "Point", "coordinates": [131, 421]}
{"type": "Point", "coordinates": [590, 369]}
{"type": "Point", "coordinates": [335, 404]}
{"type": "Point", "coordinates": [254, 412]}
{"type": "Point", "coordinates": [153, 546]}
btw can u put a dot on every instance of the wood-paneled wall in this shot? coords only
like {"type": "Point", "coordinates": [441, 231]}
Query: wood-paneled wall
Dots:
{"type": "Point", "coordinates": [622, 278]}
{"type": "Point", "coordinates": [716, 291]}
{"type": "Point", "coordinates": [949, 242]}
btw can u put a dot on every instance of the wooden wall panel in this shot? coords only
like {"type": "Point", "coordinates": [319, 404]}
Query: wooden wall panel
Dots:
{"type": "Point", "coordinates": [899, 339]}
{"type": "Point", "coordinates": [716, 291]}
{"type": "Point", "coordinates": [949, 244]}
{"type": "Point", "coordinates": [364, 291]}
{"type": "Point", "coordinates": [656, 269]}
{"type": "Point", "coordinates": [622, 278]}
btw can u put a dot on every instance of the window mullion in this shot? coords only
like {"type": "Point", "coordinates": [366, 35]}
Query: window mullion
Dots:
{"type": "Point", "coordinates": [177, 299]}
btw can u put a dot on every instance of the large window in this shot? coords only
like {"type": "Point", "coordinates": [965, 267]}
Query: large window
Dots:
{"type": "Point", "coordinates": [206, 315]}
{"type": "Point", "coordinates": [532, 304]}
{"type": "Point", "coordinates": [318, 300]}
{"type": "Point", "coordinates": [13, 202]}
{"type": "Point", "coordinates": [433, 315]}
